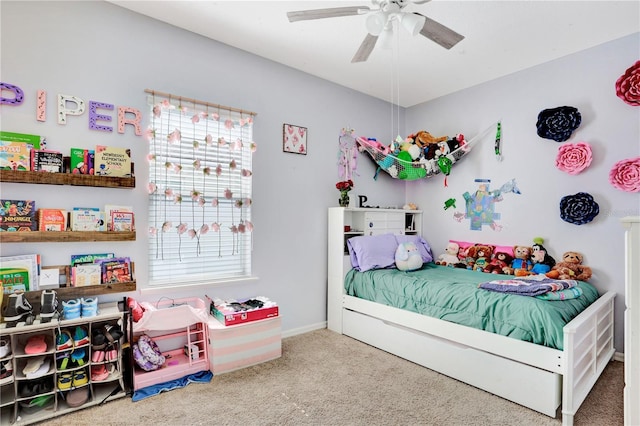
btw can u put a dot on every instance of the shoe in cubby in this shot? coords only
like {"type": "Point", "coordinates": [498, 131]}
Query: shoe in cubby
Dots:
{"type": "Point", "coordinates": [48, 306]}
{"type": "Point", "coordinates": [6, 371]}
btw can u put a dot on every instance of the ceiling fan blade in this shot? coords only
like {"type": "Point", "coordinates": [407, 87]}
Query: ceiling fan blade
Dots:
{"type": "Point", "coordinates": [365, 48]}
{"type": "Point", "coordinates": [437, 32]}
{"type": "Point", "coordinates": [305, 15]}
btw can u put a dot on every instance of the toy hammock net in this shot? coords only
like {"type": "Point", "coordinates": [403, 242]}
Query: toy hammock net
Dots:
{"type": "Point", "coordinates": [390, 160]}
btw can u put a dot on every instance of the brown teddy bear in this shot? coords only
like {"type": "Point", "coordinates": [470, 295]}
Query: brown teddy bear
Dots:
{"type": "Point", "coordinates": [481, 255]}
{"type": "Point", "coordinates": [427, 142]}
{"type": "Point", "coordinates": [500, 261]}
{"type": "Point", "coordinates": [521, 263]}
{"type": "Point", "coordinates": [570, 268]}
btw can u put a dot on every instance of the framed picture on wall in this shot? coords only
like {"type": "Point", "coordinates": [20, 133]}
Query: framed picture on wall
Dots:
{"type": "Point", "coordinates": [294, 139]}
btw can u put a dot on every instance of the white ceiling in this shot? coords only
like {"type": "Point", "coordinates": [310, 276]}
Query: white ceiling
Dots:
{"type": "Point", "coordinates": [501, 37]}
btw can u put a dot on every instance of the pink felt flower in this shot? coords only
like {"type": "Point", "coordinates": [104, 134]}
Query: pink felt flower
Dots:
{"type": "Point", "coordinates": [574, 157]}
{"type": "Point", "coordinates": [182, 228]}
{"type": "Point", "coordinates": [628, 85]}
{"type": "Point", "coordinates": [625, 175]}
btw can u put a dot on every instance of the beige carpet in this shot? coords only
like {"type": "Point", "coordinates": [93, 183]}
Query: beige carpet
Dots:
{"type": "Point", "coordinates": [324, 378]}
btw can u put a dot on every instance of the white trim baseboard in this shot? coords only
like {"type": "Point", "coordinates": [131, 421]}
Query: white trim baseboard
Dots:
{"type": "Point", "coordinates": [305, 329]}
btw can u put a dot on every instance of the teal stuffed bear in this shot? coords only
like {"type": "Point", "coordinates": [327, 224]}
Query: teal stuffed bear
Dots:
{"type": "Point", "coordinates": [408, 257]}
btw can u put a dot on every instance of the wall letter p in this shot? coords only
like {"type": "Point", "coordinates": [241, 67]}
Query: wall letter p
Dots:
{"type": "Point", "coordinates": [63, 111]}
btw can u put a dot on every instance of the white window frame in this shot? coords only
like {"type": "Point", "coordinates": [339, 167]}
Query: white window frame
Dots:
{"type": "Point", "coordinates": [196, 155]}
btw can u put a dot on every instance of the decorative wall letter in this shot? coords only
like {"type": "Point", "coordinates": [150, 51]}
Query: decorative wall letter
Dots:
{"type": "Point", "coordinates": [41, 106]}
{"type": "Point", "coordinates": [62, 107]}
{"type": "Point", "coordinates": [94, 116]}
{"type": "Point", "coordinates": [18, 94]}
{"type": "Point", "coordinates": [135, 121]}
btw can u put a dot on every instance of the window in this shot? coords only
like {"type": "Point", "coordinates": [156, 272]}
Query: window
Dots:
{"type": "Point", "coordinates": [200, 179]}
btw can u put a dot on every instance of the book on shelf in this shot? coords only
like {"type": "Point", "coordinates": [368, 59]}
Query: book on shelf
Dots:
{"type": "Point", "coordinates": [19, 272]}
{"type": "Point", "coordinates": [87, 219]}
{"type": "Point", "coordinates": [15, 150]}
{"type": "Point", "coordinates": [77, 259]}
{"type": "Point", "coordinates": [122, 221]}
{"type": "Point", "coordinates": [18, 215]}
{"type": "Point", "coordinates": [108, 213]}
{"type": "Point", "coordinates": [52, 220]}
{"type": "Point", "coordinates": [112, 161]}
{"type": "Point", "coordinates": [86, 274]}
{"type": "Point", "coordinates": [33, 141]}
{"type": "Point", "coordinates": [81, 161]}
{"type": "Point", "coordinates": [43, 160]}
{"type": "Point", "coordinates": [15, 156]}
{"type": "Point", "coordinates": [116, 270]}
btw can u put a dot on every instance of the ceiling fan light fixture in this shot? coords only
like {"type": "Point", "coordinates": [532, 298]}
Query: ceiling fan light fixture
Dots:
{"type": "Point", "coordinates": [413, 23]}
{"type": "Point", "coordinates": [376, 22]}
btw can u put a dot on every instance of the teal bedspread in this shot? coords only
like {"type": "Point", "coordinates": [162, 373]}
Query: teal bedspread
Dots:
{"type": "Point", "coordinates": [453, 295]}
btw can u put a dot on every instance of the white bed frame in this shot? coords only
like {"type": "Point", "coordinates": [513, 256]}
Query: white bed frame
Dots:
{"type": "Point", "coordinates": [532, 375]}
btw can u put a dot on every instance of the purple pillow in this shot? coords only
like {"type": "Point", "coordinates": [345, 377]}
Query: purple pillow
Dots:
{"type": "Point", "coordinates": [423, 246]}
{"type": "Point", "coordinates": [372, 252]}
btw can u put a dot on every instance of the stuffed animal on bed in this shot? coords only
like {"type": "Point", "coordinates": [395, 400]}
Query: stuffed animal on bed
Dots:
{"type": "Point", "coordinates": [408, 257]}
{"type": "Point", "coordinates": [541, 259]}
{"type": "Point", "coordinates": [499, 263]}
{"type": "Point", "coordinates": [521, 261]}
{"type": "Point", "coordinates": [570, 268]}
{"type": "Point", "coordinates": [481, 256]}
{"type": "Point", "coordinates": [450, 255]}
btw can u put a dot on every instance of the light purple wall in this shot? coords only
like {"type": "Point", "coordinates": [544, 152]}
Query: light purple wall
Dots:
{"type": "Point", "coordinates": [585, 80]}
{"type": "Point", "coordinates": [99, 51]}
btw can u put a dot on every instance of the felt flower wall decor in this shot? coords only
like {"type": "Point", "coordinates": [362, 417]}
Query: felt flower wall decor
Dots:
{"type": "Point", "coordinates": [625, 175]}
{"type": "Point", "coordinates": [628, 85]}
{"type": "Point", "coordinates": [578, 209]}
{"type": "Point", "coordinates": [574, 157]}
{"type": "Point", "coordinates": [558, 123]}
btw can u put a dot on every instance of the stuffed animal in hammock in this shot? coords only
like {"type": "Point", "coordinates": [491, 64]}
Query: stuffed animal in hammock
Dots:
{"type": "Point", "coordinates": [408, 257]}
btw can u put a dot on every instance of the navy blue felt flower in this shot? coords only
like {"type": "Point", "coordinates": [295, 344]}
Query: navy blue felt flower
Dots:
{"type": "Point", "coordinates": [558, 123]}
{"type": "Point", "coordinates": [578, 209]}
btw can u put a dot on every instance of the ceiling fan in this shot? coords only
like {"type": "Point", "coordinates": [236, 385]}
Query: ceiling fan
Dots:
{"type": "Point", "coordinates": [379, 24]}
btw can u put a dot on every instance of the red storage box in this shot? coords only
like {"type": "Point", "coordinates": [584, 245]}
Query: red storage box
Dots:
{"type": "Point", "coordinates": [238, 312]}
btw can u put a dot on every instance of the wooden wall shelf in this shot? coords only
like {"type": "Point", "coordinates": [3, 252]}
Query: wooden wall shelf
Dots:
{"type": "Point", "coordinates": [65, 236]}
{"type": "Point", "coordinates": [67, 293]}
{"type": "Point", "coordinates": [66, 179]}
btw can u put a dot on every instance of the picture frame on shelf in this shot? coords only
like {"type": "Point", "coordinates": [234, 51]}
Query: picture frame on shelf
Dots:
{"type": "Point", "coordinates": [294, 139]}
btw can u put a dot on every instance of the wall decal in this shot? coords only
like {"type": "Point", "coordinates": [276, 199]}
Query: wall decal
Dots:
{"type": "Point", "coordinates": [63, 111]}
{"type": "Point", "coordinates": [558, 123]}
{"type": "Point", "coordinates": [574, 158]}
{"type": "Point", "coordinates": [625, 175]}
{"type": "Point", "coordinates": [480, 206]}
{"type": "Point", "coordinates": [41, 106]}
{"type": "Point", "coordinates": [94, 116]}
{"type": "Point", "coordinates": [18, 94]}
{"type": "Point", "coordinates": [135, 122]}
{"type": "Point", "coordinates": [628, 85]}
{"type": "Point", "coordinates": [579, 208]}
